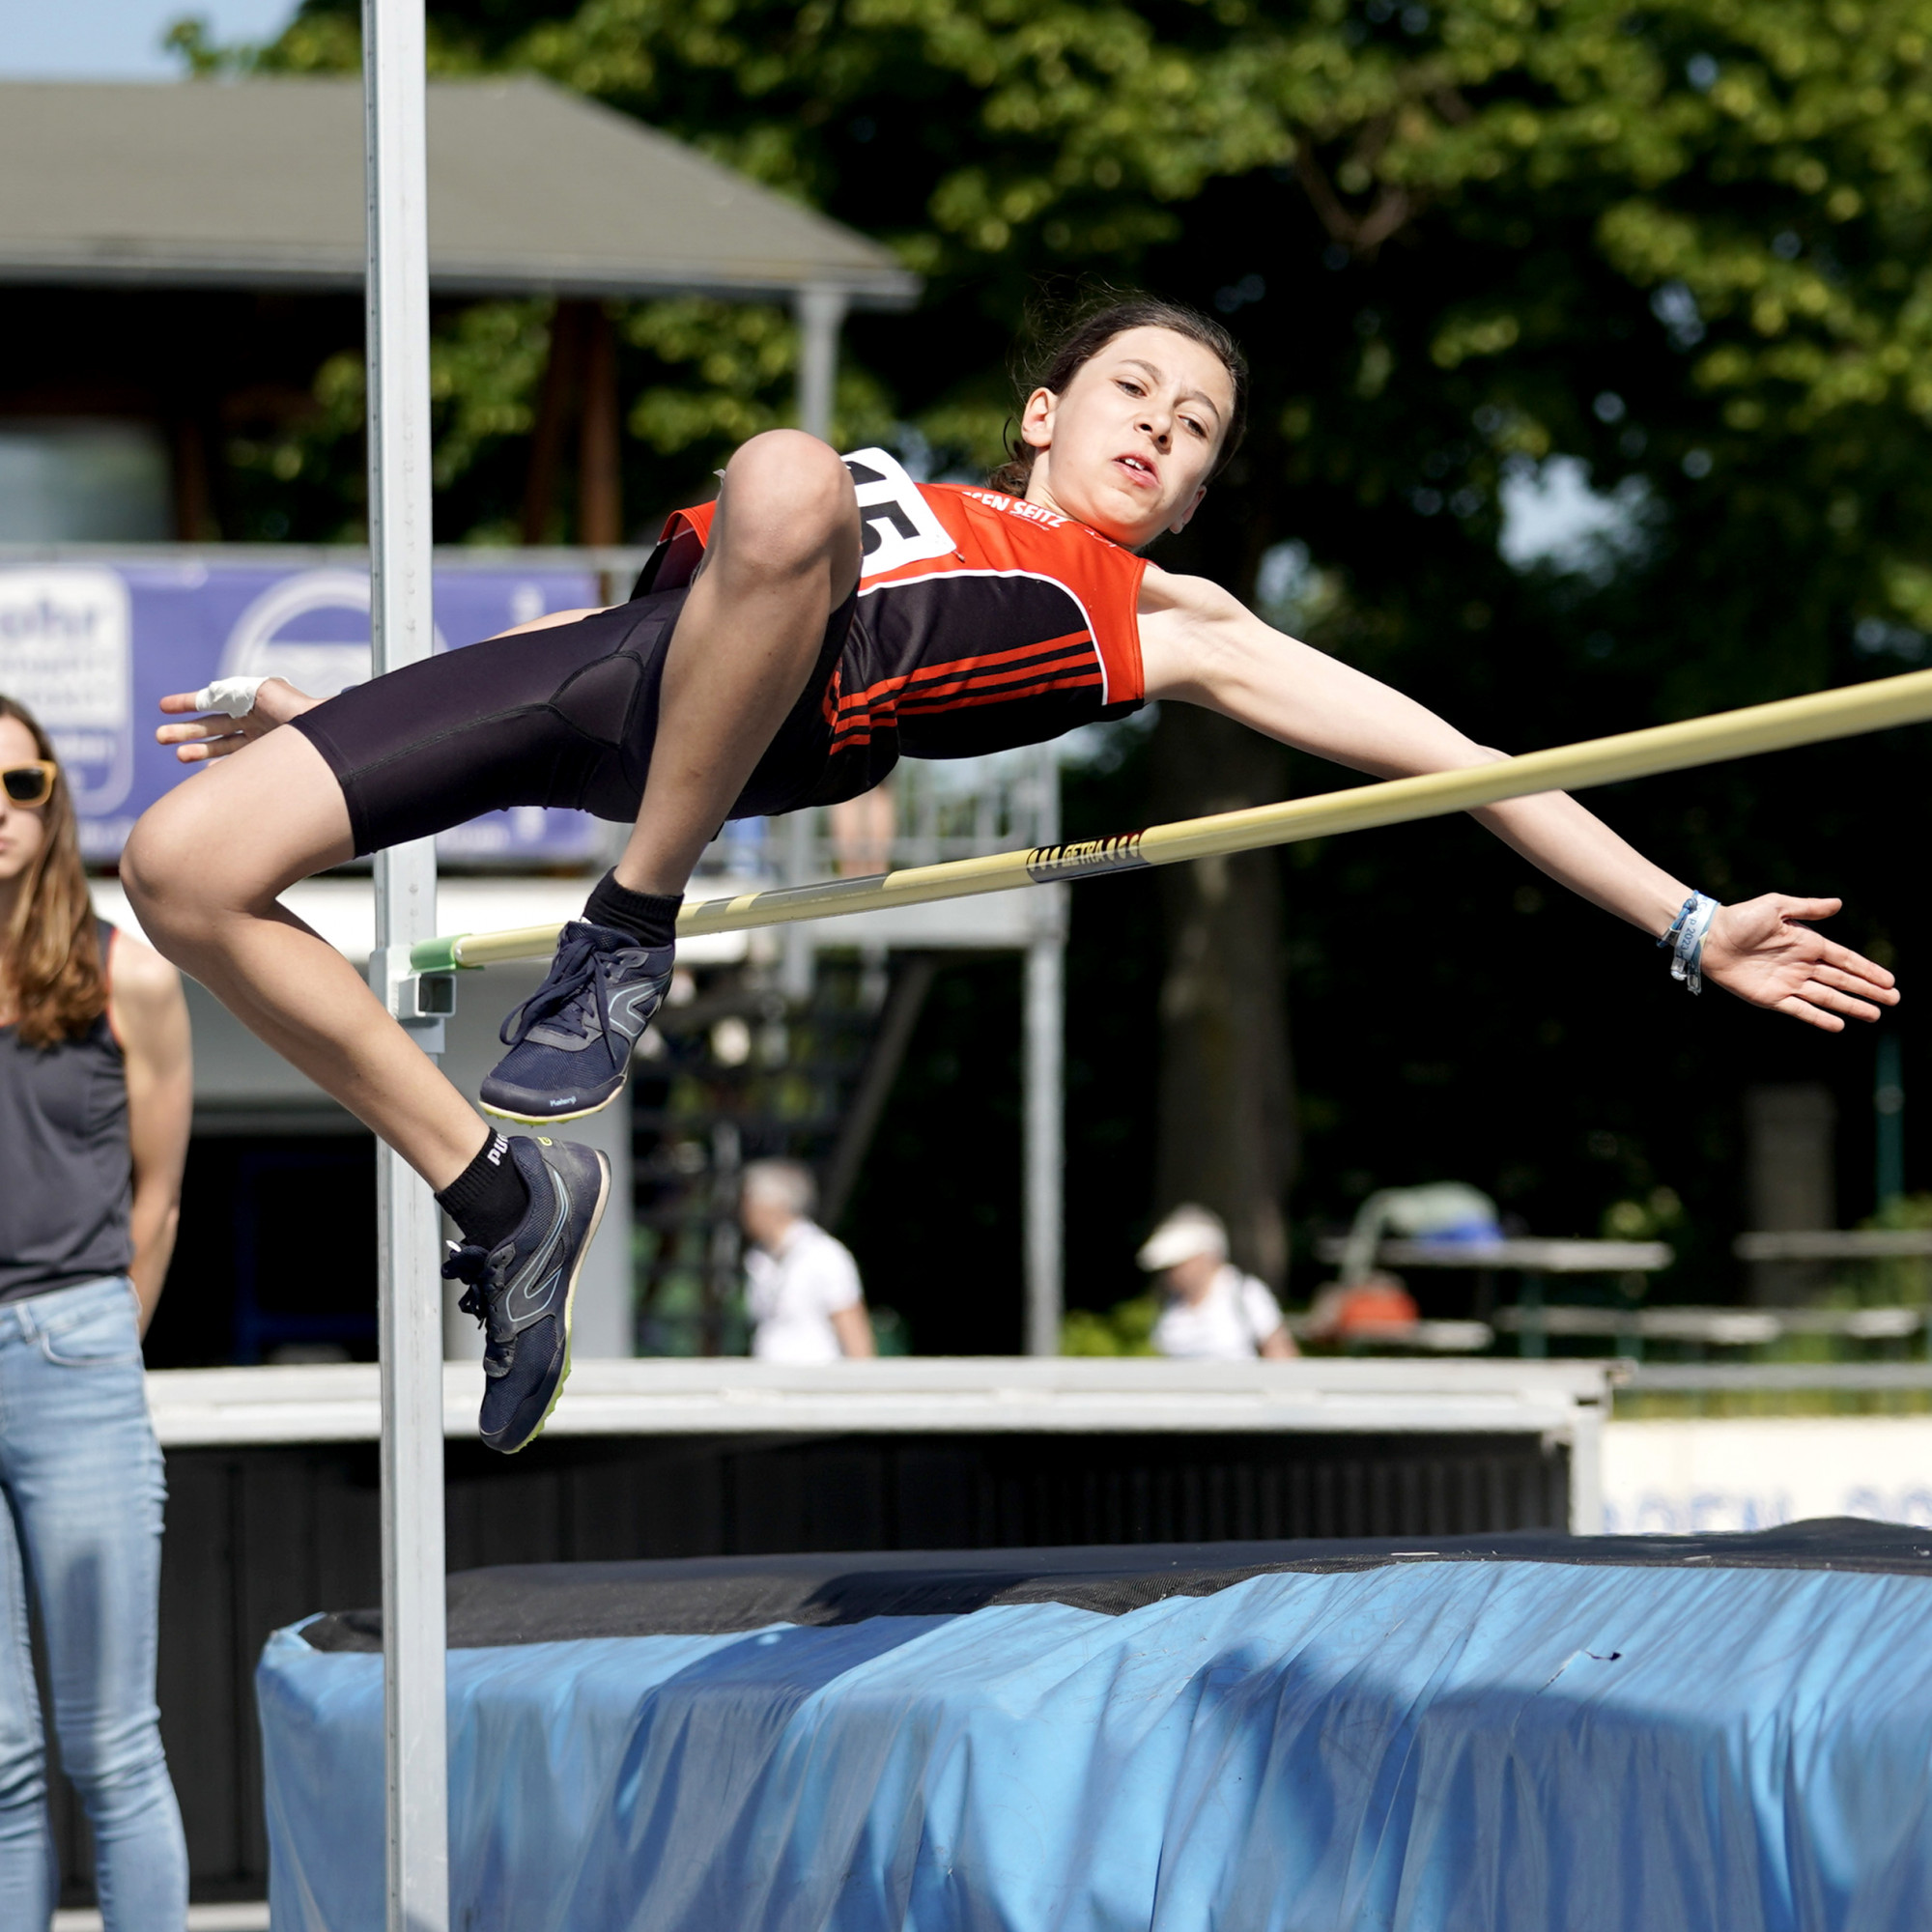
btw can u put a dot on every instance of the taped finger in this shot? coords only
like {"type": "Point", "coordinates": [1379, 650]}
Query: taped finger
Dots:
{"type": "Point", "coordinates": [236, 696]}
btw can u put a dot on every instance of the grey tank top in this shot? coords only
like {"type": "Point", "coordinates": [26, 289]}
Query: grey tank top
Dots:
{"type": "Point", "coordinates": [65, 1173]}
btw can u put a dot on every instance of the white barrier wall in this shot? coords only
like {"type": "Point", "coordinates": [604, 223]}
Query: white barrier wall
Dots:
{"type": "Point", "coordinates": [1752, 1473]}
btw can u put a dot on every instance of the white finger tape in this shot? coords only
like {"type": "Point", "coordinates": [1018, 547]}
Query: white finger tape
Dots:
{"type": "Point", "coordinates": [235, 695]}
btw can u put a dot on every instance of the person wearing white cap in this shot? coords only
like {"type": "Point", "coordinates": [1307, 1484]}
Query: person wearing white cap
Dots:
{"type": "Point", "coordinates": [802, 1284]}
{"type": "Point", "coordinates": [1215, 1313]}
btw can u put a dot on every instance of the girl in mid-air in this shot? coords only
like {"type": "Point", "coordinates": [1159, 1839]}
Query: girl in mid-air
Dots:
{"type": "Point", "coordinates": [784, 647]}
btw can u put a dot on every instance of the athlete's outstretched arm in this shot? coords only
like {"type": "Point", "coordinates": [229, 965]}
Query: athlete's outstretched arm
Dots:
{"type": "Point", "coordinates": [276, 702]}
{"type": "Point", "coordinates": [1200, 644]}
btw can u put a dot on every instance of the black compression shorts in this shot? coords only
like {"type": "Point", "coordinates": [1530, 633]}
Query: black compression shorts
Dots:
{"type": "Point", "coordinates": [565, 716]}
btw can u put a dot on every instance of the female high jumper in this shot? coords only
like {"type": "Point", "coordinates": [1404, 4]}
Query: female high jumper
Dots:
{"type": "Point", "coordinates": [784, 647]}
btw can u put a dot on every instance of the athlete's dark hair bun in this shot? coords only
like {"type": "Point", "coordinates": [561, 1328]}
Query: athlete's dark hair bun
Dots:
{"type": "Point", "coordinates": [1079, 336]}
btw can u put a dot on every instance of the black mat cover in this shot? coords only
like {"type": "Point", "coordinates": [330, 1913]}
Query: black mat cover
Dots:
{"type": "Point", "coordinates": [546, 1603]}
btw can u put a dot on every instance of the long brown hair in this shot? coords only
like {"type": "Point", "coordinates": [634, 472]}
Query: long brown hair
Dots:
{"type": "Point", "coordinates": [53, 961]}
{"type": "Point", "coordinates": [1086, 332]}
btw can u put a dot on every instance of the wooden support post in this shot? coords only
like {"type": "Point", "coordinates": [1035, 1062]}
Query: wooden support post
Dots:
{"type": "Point", "coordinates": [560, 382]}
{"type": "Point", "coordinates": [600, 481]}
{"type": "Point", "coordinates": [194, 498]}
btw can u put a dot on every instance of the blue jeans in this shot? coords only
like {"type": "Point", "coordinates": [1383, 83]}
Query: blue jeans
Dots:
{"type": "Point", "coordinates": [81, 1475]}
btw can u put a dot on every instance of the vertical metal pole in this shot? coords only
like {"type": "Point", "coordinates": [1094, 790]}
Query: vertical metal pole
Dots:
{"type": "Point", "coordinates": [1533, 1337]}
{"type": "Point", "coordinates": [1888, 1114]}
{"type": "Point", "coordinates": [1045, 1156]}
{"type": "Point", "coordinates": [1632, 1288]}
{"type": "Point", "coordinates": [798, 956]}
{"type": "Point", "coordinates": [1044, 1136]}
{"type": "Point", "coordinates": [821, 312]}
{"type": "Point", "coordinates": [411, 1302]}
{"type": "Point", "coordinates": [720, 1274]}
{"type": "Point", "coordinates": [1586, 1471]}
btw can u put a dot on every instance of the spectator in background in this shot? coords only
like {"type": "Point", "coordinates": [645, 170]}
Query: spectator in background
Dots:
{"type": "Point", "coordinates": [1377, 1308]}
{"type": "Point", "coordinates": [97, 1088]}
{"type": "Point", "coordinates": [802, 1286]}
{"type": "Point", "coordinates": [1215, 1313]}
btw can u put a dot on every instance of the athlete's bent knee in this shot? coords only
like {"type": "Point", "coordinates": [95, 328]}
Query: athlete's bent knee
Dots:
{"type": "Point", "coordinates": [165, 870]}
{"type": "Point", "coordinates": [788, 500]}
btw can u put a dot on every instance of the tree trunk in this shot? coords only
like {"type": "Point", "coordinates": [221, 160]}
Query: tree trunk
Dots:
{"type": "Point", "coordinates": [1227, 1135]}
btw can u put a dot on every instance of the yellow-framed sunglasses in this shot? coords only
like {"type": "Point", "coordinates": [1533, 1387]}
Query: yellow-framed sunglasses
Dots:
{"type": "Point", "coordinates": [29, 784]}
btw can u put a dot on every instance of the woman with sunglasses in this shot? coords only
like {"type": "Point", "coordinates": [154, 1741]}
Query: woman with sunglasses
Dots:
{"type": "Point", "coordinates": [96, 1092]}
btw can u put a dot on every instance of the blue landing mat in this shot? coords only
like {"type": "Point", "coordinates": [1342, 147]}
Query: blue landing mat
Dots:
{"type": "Point", "coordinates": [1500, 1746]}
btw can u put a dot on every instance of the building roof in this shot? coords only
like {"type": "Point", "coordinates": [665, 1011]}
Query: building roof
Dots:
{"type": "Point", "coordinates": [258, 184]}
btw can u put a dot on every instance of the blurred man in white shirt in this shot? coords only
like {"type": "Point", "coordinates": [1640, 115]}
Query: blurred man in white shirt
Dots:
{"type": "Point", "coordinates": [802, 1287]}
{"type": "Point", "coordinates": [1215, 1313]}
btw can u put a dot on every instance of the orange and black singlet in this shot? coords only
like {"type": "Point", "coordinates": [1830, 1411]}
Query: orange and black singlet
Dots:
{"type": "Point", "coordinates": [979, 623]}
{"type": "Point", "coordinates": [982, 622]}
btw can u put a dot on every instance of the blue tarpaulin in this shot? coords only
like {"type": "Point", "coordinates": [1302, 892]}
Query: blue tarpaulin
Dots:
{"type": "Point", "coordinates": [1503, 1747]}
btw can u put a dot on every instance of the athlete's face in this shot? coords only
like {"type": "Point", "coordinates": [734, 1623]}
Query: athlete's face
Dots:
{"type": "Point", "coordinates": [1127, 447]}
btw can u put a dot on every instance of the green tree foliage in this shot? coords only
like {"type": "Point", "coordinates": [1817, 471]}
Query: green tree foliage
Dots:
{"type": "Point", "coordinates": [1125, 1329]}
{"type": "Point", "coordinates": [1745, 184]}
{"type": "Point", "coordinates": [1685, 245]}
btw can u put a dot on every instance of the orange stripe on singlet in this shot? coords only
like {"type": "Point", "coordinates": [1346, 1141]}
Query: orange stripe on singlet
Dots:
{"type": "Point", "coordinates": [1070, 643]}
{"type": "Point", "coordinates": [1065, 681]}
{"type": "Point", "coordinates": [858, 729]}
{"type": "Point", "coordinates": [932, 682]}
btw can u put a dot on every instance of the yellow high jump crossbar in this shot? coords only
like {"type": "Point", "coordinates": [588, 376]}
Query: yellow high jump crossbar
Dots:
{"type": "Point", "coordinates": [1788, 722]}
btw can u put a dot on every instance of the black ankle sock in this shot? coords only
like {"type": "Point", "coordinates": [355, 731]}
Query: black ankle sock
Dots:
{"type": "Point", "coordinates": [648, 917]}
{"type": "Point", "coordinates": [490, 1198]}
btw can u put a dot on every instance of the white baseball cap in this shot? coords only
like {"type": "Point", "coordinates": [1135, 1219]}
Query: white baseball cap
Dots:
{"type": "Point", "coordinates": [1188, 1230]}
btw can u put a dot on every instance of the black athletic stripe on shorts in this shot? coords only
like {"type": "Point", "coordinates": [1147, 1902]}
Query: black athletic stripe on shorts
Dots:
{"type": "Point", "coordinates": [565, 716]}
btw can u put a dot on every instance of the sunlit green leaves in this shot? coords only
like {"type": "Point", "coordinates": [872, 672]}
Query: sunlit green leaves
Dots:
{"type": "Point", "coordinates": [732, 368]}
{"type": "Point", "coordinates": [1760, 174]}
{"type": "Point", "coordinates": [485, 364]}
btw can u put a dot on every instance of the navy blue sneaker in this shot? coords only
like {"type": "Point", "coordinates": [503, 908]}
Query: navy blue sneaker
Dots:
{"type": "Point", "coordinates": [525, 1292]}
{"type": "Point", "coordinates": [570, 1042]}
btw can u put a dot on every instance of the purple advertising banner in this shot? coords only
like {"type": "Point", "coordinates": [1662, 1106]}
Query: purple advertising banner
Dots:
{"type": "Point", "coordinates": [92, 649]}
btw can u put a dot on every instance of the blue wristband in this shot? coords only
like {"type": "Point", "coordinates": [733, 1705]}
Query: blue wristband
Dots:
{"type": "Point", "coordinates": [1685, 940]}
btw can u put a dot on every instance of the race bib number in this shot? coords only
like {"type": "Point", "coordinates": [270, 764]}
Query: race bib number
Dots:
{"type": "Point", "coordinates": [898, 523]}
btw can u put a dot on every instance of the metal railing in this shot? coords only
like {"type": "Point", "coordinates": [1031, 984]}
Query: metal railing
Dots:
{"type": "Point", "coordinates": [1830, 1244]}
{"type": "Point", "coordinates": [1528, 1253]}
{"type": "Point", "coordinates": [1775, 1377]}
{"type": "Point", "coordinates": [1715, 1327]}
